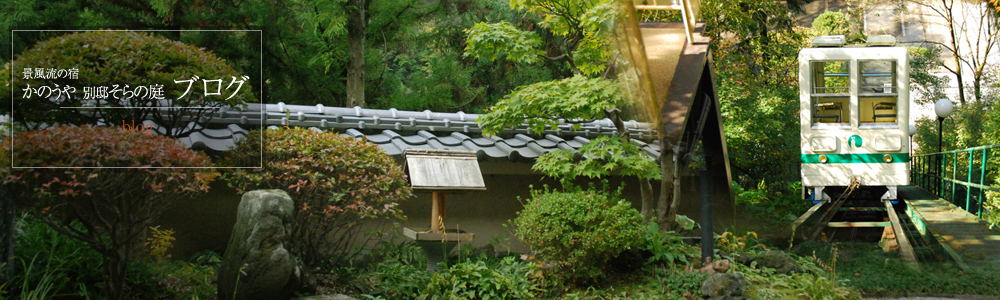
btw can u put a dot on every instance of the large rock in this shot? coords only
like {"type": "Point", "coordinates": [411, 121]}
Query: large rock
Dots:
{"type": "Point", "coordinates": [724, 286]}
{"type": "Point", "coordinates": [780, 261]}
{"type": "Point", "coordinates": [257, 264]}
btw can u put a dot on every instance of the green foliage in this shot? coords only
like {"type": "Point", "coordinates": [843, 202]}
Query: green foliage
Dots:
{"type": "Point", "coordinates": [872, 271]}
{"type": "Point", "coordinates": [53, 263]}
{"type": "Point", "coordinates": [491, 41]}
{"type": "Point", "coordinates": [338, 184]}
{"type": "Point", "coordinates": [114, 206]}
{"type": "Point", "coordinates": [754, 42]}
{"type": "Point", "coordinates": [506, 279]}
{"type": "Point", "coordinates": [665, 248]}
{"type": "Point", "coordinates": [580, 33]}
{"type": "Point", "coordinates": [755, 46]}
{"type": "Point", "coordinates": [604, 154]}
{"type": "Point", "coordinates": [777, 205]}
{"type": "Point", "coordinates": [160, 242]}
{"type": "Point", "coordinates": [925, 87]}
{"type": "Point", "coordinates": [580, 230]}
{"type": "Point", "coordinates": [831, 23]}
{"type": "Point", "coordinates": [121, 58]}
{"type": "Point", "coordinates": [762, 128]}
{"type": "Point", "coordinates": [173, 279]}
{"type": "Point", "coordinates": [510, 279]}
{"type": "Point", "coordinates": [543, 104]}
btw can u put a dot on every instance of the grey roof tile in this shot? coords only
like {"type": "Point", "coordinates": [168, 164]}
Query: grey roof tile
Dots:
{"type": "Point", "coordinates": [396, 131]}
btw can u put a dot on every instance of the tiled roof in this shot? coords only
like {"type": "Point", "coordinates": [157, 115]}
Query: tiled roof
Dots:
{"type": "Point", "coordinates": [397, 130]}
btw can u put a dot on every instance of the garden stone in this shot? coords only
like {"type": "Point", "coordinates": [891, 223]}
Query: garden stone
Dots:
{"type": "Point", "coordinates": [724, 286]}
{"type": "Point", "coordinates": [326, 297]}
{"type": "Point", "coordinates": [781, 262]}
{"type": "Point", "coordinates": [257, 263]}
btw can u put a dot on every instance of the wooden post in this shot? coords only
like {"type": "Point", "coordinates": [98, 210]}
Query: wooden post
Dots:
{"type": "Point", "coordinates": [437, 211]}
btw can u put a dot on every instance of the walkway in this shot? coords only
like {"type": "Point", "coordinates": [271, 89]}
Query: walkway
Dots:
{"type": "Point", "coordinates": [965, 237]}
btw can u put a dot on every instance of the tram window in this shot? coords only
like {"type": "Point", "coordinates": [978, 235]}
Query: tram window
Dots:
{"type": "Point", "coordinates": [878, 77]}
{"type": "Point", "coordinates": [831, 77]}
{"type": "Point", "coordinates": [878, 109]}
{"type": "Point", "coordinates": [878, 91]}
{"type": "Point", "coordinates": [830, 110]}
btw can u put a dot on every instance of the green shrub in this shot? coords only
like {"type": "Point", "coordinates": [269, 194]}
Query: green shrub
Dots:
{"type": "Point", "coordinates": [338, 184]}
{"type": "Point", "coordinates": [52, 263]}
{"type": "Point", "coordinates": [106, 58]}
{"type": "Point", "coordinates": [475, 279]}
{"type": "Point", "coordinates": [510, 279]}
{"type": "Point", "coordinates": [114, 207]}
{"type": "Point", "coordinates": [172, 279]}
{"type": "Point", "coordinates": [777, 204]}
{"type": "Point", "coordinates": [580, 230]}
{"type": "Point", "coordinates": [664, 248]}
{"type": "Point", "coordinates": [831, 23]}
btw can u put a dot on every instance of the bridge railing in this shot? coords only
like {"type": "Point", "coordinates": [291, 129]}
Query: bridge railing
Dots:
{"type": "Point", "coordinates": [967, 177]}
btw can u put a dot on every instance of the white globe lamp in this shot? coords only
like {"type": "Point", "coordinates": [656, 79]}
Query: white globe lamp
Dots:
{"type": "Point", "coordinates": [943, 108]}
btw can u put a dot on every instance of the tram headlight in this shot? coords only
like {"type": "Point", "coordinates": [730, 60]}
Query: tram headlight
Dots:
{"type": "Point", "coordinates": [823, 159]}
{"type": "Point", "coordinates": [887, 158]}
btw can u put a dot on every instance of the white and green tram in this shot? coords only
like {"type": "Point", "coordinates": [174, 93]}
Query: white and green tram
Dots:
{"type": "Point", "coordinates": [854, 111]}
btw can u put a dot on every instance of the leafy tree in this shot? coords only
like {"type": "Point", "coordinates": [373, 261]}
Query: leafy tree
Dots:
{"type": "Point", "coordinates": [577, 100]}
{"type": "Point", "coordinates": [113, 207]}
{"type": "Point", "coordinates": [753, 37]}
{"type": "Point", "coordinates": [927, 87]}
{"type": "Point", "coordinates": [338, 184]}
{"type": "Point", "coordinates": [756, 46]}
{"type": "Point", "coordinates": [974, 37]}
{"type": "Point", "coordinates": [832, 23]}
{"type": "Point", "coordinates": [581, 31]}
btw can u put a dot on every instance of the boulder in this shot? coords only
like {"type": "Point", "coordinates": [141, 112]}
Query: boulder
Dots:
{"type": "Point", "coordinates": [257, 263]}
{"type": "Point", "coordinates": [780, 261]}
{"type": "Point", "coordinates": [728, 286]}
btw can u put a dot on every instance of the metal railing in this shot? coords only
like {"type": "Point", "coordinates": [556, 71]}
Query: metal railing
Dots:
{"type": "Point", "coordinates": [962, 177]}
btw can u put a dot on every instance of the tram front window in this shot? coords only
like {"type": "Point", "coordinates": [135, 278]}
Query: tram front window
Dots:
{"type": "Point", "coordinates": [830, 92]}
{"type": "Point", "coordinates": [830, 109]}
{"type": "Point", "coordinates": [877, 91]}
{"type": "Point", "coordinates": [831, 77]}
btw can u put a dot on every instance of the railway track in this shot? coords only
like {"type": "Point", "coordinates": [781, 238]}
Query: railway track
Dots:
{"type": "Point", "coordinates": [866, 220]}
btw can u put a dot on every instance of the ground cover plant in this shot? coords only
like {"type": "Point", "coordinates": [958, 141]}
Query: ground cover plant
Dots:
{"type": "Point", "coordinates": [865, 267]}
{"type": "Point", "coordinates": [106, 209]}
{"type": "Point", "coordinates": [56, 266]}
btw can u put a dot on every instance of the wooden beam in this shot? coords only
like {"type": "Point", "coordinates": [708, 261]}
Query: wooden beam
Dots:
{"type": "Point", "coordinates": [437, 211]}
{"type": "Point", "coordinates": [858, 224]}
{"type": "Point", "coordinates": [805, 217]}
{"type": "Point", "coordinates": [862, 209]}
{"type": "Point", "coordinates": [905, 249]}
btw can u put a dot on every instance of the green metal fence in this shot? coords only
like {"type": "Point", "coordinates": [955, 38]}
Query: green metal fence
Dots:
{"type": "Point", "coordinates": [965, 177]}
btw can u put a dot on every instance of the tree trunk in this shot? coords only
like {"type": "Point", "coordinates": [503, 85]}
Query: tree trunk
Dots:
{"type": "Point", "coordinates": [115, 269]}
{"type": "Point", "coordinates": [950, 18]}
{"type": "Point", "coordinates": [666, 186]}
{"type": "Point", "coordinates": [356, 54]}
{"type": "Point", "coordinates": [648, 206]}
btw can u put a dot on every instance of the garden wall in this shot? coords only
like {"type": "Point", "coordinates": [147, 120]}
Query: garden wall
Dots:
{"type": "Point", "coordinates": [206, 222]}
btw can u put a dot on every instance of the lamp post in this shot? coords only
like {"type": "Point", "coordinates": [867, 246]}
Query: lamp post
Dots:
{"type": "Point", "coordinates": [943, 109]}
{"type": "Point", "coordinates": [913, 164]}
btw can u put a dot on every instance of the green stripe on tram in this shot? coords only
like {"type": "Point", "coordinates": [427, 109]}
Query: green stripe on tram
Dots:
{"type": "Point", "coordinates": [865, 158]}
